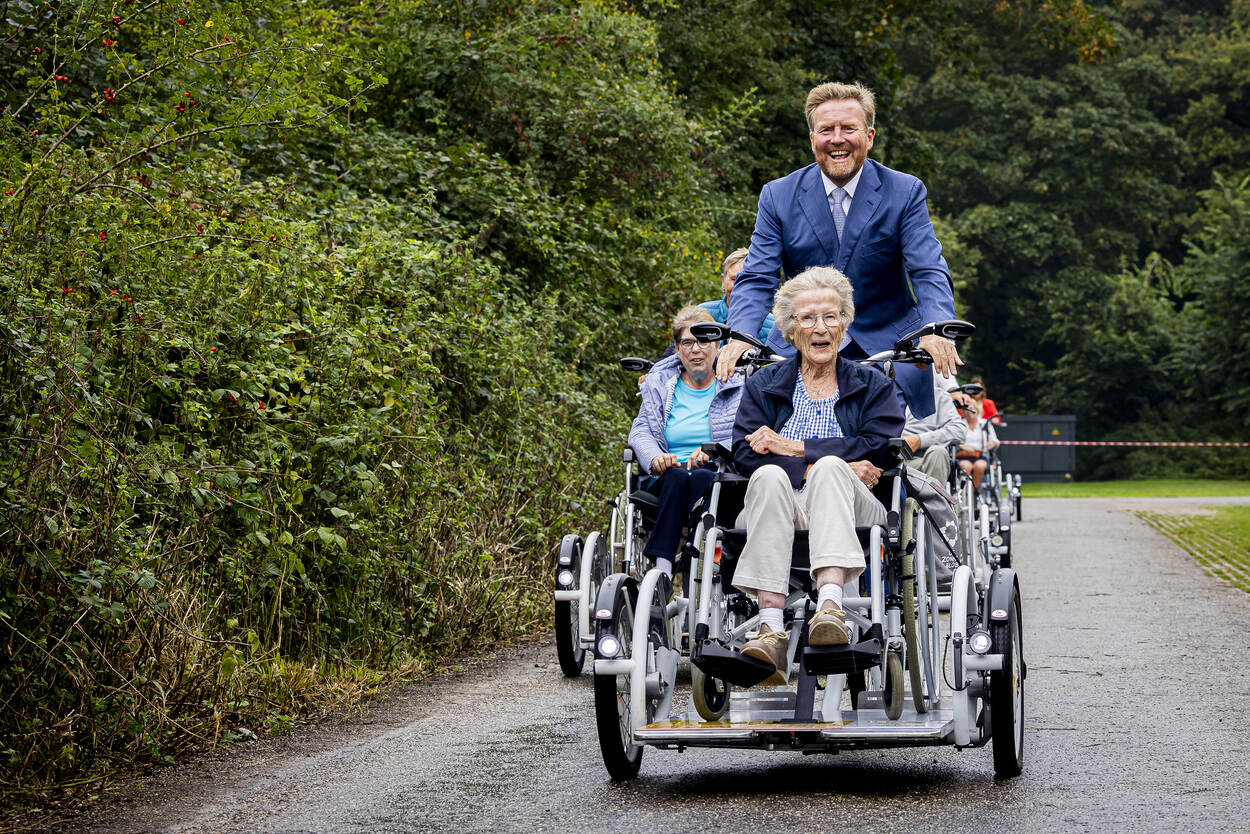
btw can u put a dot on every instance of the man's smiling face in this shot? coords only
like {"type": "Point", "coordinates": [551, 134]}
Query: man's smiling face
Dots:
{"type": "Point", "coordinates": [840, 138]}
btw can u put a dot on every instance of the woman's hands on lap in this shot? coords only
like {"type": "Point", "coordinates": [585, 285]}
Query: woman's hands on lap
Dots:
{"type": "Point", "coordinates": [867, 473]}
{"type": "Point", "coordinates": [765, 441]}
{"type": "Point", "coordinates": [663, 463]}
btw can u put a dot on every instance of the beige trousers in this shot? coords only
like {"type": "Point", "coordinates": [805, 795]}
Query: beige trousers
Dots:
{"type": "Point", "coordinates": [936, 462]}
{"type": "Point", "coordinates": [829, 508]}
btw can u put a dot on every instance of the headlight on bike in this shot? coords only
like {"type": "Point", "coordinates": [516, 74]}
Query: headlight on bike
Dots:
{"type": "Point", "coordinates": [979, 642]}
{"type": "Point", "coordinates": [565, 578]}
{"type": "Point", "coordinates": [997, 540]}
{"type": "Point", "coordinates": [608, 647]}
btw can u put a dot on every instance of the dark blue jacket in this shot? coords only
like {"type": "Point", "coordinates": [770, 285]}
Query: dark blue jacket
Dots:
{"type": "Point", "coordinates": [868, 412]}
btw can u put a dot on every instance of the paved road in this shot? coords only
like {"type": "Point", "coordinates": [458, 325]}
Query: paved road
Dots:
{"type": "Point", "coordinates": [1138, 719]}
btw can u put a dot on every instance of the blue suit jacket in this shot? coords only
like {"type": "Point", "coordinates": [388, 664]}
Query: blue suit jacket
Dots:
{"type": "Point", "coordinates": [888, 250]}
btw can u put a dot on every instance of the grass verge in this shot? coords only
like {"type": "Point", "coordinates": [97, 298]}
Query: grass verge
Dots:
{"type": "Point", "coordinates": [1217, 538]}
{"type": "Point", "coordinates": [1137, 489]}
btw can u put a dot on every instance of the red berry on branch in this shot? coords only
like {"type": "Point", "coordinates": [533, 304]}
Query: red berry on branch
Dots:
{"type": "Point", "coordinates": [38, 50]}
{"type": "Point", "coordinates": [115, 20]}
{"type": "Point", "coordinates": [212, 350]}
{"type": "Point", "coordinates": [102, 235]}
{"type": "Point", "coordinates": [181, 109]}
{"type": "Point", "coordinates": [181, 22]}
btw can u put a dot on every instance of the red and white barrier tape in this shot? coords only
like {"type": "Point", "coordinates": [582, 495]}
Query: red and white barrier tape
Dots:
{"type": "Point", "coordinates": [1117, 443]}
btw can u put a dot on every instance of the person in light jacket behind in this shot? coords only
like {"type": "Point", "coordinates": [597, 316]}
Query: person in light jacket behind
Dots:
{"type": "Point", "coordinates": [930, 438]}
{"type": "Point", "coordinates": [683, 407]}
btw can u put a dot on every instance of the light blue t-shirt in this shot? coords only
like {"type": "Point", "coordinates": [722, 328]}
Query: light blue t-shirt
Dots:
{"type": "Point", "coordinates": [688, 426]}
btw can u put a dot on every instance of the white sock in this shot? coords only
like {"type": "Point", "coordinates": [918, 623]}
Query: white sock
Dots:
{"type": "Point", "coordinates": [831, 592]}
{"type": "Point", "coordinates": [773, 617]}
{"type": "Point", "coordinates": [665, 565]}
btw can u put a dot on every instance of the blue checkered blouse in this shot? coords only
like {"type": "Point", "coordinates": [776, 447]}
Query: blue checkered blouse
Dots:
{"type": "Point", "coordinates": [811, 418]}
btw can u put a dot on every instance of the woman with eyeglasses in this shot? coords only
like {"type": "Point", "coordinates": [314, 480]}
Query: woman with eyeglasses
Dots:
{"type": "Point", "coordinates": [683, 407]}
{"type": "Point", "coordinates": [812, 433]}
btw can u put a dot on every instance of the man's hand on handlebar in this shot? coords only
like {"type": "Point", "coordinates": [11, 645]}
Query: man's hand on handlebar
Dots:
{"type": "Point", "coordinates": [945, 358]}
{"type": "Point", "coordinates": [728, 358]}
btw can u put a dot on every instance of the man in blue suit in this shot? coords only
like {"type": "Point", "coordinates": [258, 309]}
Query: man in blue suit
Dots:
{"type": "Point", "coordinates": [866, 220]}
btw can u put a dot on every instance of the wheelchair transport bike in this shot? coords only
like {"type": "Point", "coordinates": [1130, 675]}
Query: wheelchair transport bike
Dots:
{"type": "Point", "coordinates": [902, 691]}
{"type": "Point", "coordinates": [987, 514]}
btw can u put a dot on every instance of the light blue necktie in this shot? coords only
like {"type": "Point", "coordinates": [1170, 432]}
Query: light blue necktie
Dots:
{"type": "Point", "coordinates": [835, 204]}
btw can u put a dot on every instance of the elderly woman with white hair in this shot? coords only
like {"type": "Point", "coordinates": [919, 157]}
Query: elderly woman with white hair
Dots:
{"type": "Point", "coordinates": [812, 433]}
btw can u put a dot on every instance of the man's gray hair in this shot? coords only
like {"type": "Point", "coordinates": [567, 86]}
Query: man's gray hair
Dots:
{"type": "Point", "coordinates": [737, 256]}
{"type": "Point", "coordinates": [835, 91]}
{"type": "Point", "coordinates": [815, 278]}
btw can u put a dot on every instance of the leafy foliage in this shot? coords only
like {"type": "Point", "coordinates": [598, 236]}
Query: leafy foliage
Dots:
{"type": "Point", "coordinates": [292, 390]}
{"type": "Point", "coordinates": [309, 313]}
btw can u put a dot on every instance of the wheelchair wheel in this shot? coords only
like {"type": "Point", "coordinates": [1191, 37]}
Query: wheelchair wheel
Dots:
{"type": "Point", "coordinates": [967, 525]}
{"type": "Point", "coordinates": [612, 701]}
{"type": "Point", "coordinates": [893, 695]}
{"type": "Point", "coordinates": [1007, 693]}
{"type": "Point", "coordinates": [915, 573]}
{"type": "Point", "coordinates": [568, 637]}
{"type": "Point", "coordinates": [710, 695]}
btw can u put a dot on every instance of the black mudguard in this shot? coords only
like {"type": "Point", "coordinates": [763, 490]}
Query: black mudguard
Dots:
{"type": "Point", "coordinates": [604, 613]}
{"type": "Point", "coordinates": [1003, 584]}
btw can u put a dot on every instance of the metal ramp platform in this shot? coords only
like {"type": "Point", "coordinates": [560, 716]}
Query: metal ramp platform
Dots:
{"type": "Point", "coordinates": [763, 719]}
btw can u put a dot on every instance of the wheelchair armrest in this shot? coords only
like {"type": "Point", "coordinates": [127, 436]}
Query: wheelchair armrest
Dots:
{"type": "Point", "coordinates": [900, 447]}
{"type": "Point", "coordinates": [715, 451]}
{"type": "Point", "coordinates": [628, 455]}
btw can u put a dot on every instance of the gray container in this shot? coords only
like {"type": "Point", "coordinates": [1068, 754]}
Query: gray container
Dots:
{"type": "Point", "coordinates": [1039, 463]}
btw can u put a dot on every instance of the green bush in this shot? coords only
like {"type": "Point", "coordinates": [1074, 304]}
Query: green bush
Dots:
{"type": "Point", "coordinates": [299, 388]}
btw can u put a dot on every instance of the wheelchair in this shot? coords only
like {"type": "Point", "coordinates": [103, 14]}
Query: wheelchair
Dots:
{"type": "Point", "coordinates": [894, 666]}
{"type": "Point", "coordinates": [986, 514]}
{"type": "Point", "coordinates": [582, 564]}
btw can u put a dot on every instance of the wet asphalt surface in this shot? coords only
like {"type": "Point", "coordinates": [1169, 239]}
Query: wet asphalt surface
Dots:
{"type": "Point", "coordinates": [1137, 719]}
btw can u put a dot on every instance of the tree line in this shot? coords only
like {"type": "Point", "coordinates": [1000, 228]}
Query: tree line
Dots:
{"type": "Point", "coordinates": [309, 313]}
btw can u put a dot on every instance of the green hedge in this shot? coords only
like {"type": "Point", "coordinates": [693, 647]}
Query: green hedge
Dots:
{"type": "Point", "coordinates": [306, 371]}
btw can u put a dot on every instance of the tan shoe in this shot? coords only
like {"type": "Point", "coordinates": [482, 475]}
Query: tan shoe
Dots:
{"type": "Point", "coordinates": [828, 627]}
{"type": "Point", "coordinates": [770, 646]}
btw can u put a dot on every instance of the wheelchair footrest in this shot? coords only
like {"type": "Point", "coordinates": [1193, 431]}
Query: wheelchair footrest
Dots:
{"type": "Point", "coordinates": [733, 667]}
{"type": "Point", "coordinates": [840, 660]}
